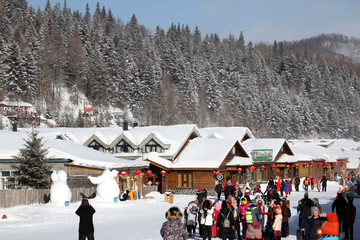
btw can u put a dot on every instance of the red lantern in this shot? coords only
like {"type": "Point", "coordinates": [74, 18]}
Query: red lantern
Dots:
{"type": "Point", "coordinates": [262, 167]}
{"type": "Point", "coordinates": [273, 166]}
{"type": "Point", "coordinates": [297, 165]}
{"type": "Point", "coordinates": [311, 163]}
{"type": "Point", "coordinates": [319, 164]}
{"type": "Point", "coordinates": [138, 172]}
{"type": "Point", "coordinates": [163, 172]}
{"type": "Point", "coordinates": [305, 165]}
{"type": "Point", "coordinates": [287, 166]}
{"type": "Point", "coordinates": [252, 168]}
{"type": "Point", "coordinates": [123, 173]}
{"type": "Point", "coordinates": [239, 169]}
{"type": "Point", "coordinates": [217, 173]}
{"type": "Point", "coordinates": [336, 164]}
{"type": "Point", "coordinates": [148, 172]}
{"type": "Point", "coordinates": [342, 162]}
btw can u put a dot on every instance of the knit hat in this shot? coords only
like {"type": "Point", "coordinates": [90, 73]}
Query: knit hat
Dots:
{"type": "Point", "coordinates": [313, 209]}
{"type": "Point", "coordinates": [331, 226]}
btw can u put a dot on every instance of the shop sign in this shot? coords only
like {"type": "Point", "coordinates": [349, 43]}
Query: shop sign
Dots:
{"type": "Point", "coordinates": [262, 155]}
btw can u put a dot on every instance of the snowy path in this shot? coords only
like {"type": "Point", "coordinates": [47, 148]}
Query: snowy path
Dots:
{"type": "Point", "coordinates": [141, 219]}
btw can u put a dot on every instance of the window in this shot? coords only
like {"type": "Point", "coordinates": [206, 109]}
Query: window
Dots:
{"type": "Point", "coordinates": [153, 146]}
{"type": "Point", "coordinates": [8, 179]}
{"type": "Point", "coordinates": [97, 146]}
{"type": "Point", "coordinates": [185, 179]}
{"type": "Point", "coordinates": [123, 146]}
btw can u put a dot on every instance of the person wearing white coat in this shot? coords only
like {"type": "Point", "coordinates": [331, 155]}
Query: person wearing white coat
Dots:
{"type": "Point", "coordinates": [206, 219]}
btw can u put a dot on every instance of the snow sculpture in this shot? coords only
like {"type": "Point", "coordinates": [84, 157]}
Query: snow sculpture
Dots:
{"type": "Point", "coordinates": [59, 191]}
{"type": "Point", "coordinates": [107, 188]}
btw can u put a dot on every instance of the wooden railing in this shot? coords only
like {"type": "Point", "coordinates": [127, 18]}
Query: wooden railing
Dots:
{"type": "Point", "coordinates": [11, 198]}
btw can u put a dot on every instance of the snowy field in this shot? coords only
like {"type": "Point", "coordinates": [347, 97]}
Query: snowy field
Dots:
{"type": "Point", "coordinates": [140, 219]}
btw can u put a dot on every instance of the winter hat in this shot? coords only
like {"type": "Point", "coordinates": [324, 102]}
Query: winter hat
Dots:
{"type": "Point", "coordinates": [313, 209]}
{"type": "Point", "coordinates": [306, 194]}
{"type": "Point", "coordinates": [331, 226]}
{"type": "Point", "coordinates": [173, 213]}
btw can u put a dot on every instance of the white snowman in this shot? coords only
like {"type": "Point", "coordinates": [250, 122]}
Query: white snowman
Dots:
{"type": "Point", "coordinates": [107, 188]}
{"type": "Point", "coordinates": [59, 191]}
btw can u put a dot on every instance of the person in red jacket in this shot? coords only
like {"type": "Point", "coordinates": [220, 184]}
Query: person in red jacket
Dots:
{"type": "Point", "coordinates": [278, 186]}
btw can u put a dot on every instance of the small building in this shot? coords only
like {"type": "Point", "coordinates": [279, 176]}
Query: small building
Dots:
{"type": "Point", "coordinates": [196, 166]}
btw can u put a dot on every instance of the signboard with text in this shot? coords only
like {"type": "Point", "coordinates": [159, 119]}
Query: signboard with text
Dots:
{"type": "Point", "coordinates": [262, 155]}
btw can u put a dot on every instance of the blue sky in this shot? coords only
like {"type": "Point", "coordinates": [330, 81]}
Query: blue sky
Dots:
{"type": "Point", "coordinates": [260, 20]}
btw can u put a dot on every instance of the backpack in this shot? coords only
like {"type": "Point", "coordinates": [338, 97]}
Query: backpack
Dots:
{"type": "Point", "coordinates": [226, 222]}
{"type": "Point", "coordinates": [249, 215]}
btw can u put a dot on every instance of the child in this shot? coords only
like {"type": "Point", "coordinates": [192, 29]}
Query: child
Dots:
{"type": "Point", "coordinates": [277, 223]}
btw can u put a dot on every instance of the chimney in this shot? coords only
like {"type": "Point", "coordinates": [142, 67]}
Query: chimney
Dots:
{"type": "Point", "coordinates": [135, 124]}
{"type": "Point", "coordinates": [125, 126]}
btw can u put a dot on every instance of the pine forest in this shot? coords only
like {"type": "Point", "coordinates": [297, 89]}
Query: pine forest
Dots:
{"type": "Point", "coordinates": [171, 76]}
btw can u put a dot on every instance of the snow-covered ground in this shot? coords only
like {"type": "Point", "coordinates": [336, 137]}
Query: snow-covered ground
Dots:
{"type": "Point", "coordinates": [139, 219]}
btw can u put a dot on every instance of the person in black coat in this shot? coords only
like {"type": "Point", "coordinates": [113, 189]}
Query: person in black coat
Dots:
{"type": "Point", "coordinates": [86, 225]}
{"type": "Point", "coordinates": [303, 208]}
{"type": "Point", "coordinates": [226, 189]}
{"type": "Point", "coordinates": [200, 195]}
{"type": "Point", "coordinates": [218, 189]}
{"type": "Point", "coordinates": [340, 205]}
{"type": "Point", "coordinates": [315, 221]}
{"type": "Point", "coordinates": [225, 232]}
{"type": "Point", "coordinates": [270, 183]}
{"type": "Point", "coordinates": [323, 183]}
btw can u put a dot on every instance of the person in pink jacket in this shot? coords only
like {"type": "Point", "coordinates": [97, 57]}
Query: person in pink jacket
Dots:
{"type": "Point", "coordinates": [242, 208]}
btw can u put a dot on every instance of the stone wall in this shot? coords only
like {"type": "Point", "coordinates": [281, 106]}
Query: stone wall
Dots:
{"type": "Point", "coordinates": [210, 192]}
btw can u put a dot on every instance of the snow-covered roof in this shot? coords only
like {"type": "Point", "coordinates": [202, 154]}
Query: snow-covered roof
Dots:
{"type": "Point", "coordinates": [156, 160]}
{"type": "Point", "coordinates": [286, 158]}
{"type": "Point", "coordinates": [171, 137]}
{"type": "Point", "coordinates": [11, 142]}
{"type": "Point", "coordinates": [16, 104]}
{"type": "Point", "coordinates": [240, 161]}
{"type": "Point", "coordinates": [226, 132]}
{"type": "Point", "coordinates": [330, 150]}
{"type": "Point", "coordinates": [310, 152]}
{"type": "Point", "coordinates": [204, 153]}
{"type": "Point", "coordinates": [275, 144]}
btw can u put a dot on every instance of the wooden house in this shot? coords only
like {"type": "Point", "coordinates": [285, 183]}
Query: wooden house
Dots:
{"type": "Point", "coordinates": [199, 164]}
{"type": "Point", "coordinates": [270, 158]}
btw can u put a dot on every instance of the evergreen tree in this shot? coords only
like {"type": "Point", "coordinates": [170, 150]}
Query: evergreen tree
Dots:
{"type": "Point", "coordinates": [34, 170]}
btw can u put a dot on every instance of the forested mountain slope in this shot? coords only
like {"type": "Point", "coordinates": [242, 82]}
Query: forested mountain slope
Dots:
{"type": "Point", "coordinates": [172, 76]}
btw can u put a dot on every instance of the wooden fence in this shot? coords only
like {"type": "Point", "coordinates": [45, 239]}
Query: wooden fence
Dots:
{"type": "Point", "coordinates": [11, 198]}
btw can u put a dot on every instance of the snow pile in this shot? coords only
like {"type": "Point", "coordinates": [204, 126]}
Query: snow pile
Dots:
{"type": "Point", "coordinates": [59, 191]}
{"type": "Point", "coordinates": [155, 195]}
{"type": "Point", "coordinates": [107, 187]}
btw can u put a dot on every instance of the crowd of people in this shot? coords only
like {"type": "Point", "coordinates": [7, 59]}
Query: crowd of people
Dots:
{"type": "Point", "coordinates": [253, 214]}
